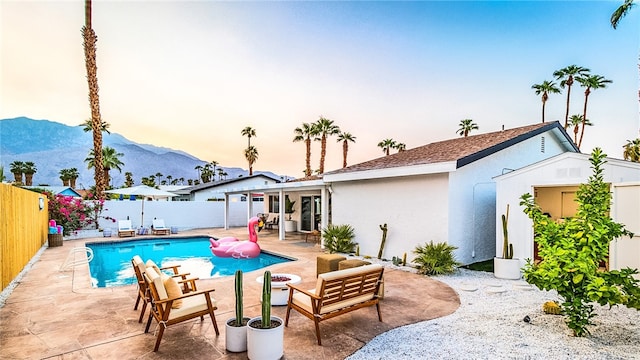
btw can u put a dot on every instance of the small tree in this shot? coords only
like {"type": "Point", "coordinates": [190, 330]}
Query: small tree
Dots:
{"type": "Point", "coordinates": [572, 250]}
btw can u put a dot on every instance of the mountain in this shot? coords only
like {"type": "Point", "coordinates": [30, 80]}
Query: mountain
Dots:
{"type": "Point", "coordinates": [54, 146]}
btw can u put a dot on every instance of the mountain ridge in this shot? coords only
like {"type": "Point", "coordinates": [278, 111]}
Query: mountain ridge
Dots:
{"type": "Point", "coordinates": [54, 146]}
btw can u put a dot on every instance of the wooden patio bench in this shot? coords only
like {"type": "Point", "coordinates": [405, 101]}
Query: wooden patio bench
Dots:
{"type": "Point", "coordinates": [337, 293]}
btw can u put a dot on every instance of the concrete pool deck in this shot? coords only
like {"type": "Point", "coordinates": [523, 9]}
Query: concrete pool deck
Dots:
{"type": "Point", "coordinates": [58, 315]}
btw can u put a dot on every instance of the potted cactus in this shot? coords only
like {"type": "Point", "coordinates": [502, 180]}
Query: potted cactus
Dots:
{"type": "Point", "coordinates": [506, 267]}
{"type": "Point", "coordinates": [236, 327]}
{"type": "Point", "coordinates": [265, 334]}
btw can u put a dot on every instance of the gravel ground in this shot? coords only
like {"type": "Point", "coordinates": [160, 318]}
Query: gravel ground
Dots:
{"type": "Point", "coordinates": [490, 325]}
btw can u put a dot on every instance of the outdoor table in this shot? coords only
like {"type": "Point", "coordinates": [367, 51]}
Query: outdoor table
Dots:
{"type": "Point", "coordinates": [279, 289]}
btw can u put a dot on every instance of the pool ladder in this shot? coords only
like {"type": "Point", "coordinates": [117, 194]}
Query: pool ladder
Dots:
{"type": "Point", "coordinates": [71, 261]}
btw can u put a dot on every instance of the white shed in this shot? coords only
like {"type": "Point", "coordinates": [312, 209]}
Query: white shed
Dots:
{"type": "Point", "coordinates": [553, 183]}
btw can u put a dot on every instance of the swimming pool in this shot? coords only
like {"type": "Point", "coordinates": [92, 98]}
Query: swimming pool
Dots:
{"type": "Point", "coordinates": [111, 264]}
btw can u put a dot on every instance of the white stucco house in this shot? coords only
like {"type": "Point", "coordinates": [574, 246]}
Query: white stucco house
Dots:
{"type": "Point", "coordinates": [553, 182]}
{"type": "Point", "coordinates": [215, 190]}
{"type": "Point", "coordinates": [443, 191]}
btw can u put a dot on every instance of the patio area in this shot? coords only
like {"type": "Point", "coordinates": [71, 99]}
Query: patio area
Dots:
{"type": "Point", "coordinates": [58, 315]}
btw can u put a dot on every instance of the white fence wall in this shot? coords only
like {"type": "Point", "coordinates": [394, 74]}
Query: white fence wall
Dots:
{"type": "Point", "coordinates": [181, 214]}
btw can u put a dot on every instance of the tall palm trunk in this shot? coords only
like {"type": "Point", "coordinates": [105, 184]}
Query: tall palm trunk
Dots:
{"type": "Point", "coordinates": [307, 143]}
{"type": "Point", "coordinates": [544, 104]}
{"type": "Point", "coordinates": [566, 115]}
{"type": "Point", "coordinates": [323, 152]}
{"type": "Point", "coordinates": [345, 150]}
{"type": "Point", "coordinates": [584, 116]}
{"type": "Point", "coordinates": [90, 40]}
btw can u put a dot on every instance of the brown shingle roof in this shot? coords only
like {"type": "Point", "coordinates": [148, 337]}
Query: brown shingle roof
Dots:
{"type": "Point", "coordinates": [463, 150]}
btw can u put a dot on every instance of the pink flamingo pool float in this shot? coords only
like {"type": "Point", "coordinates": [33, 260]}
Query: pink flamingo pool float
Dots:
{"type": "Point", "coordinates": [232, 247]}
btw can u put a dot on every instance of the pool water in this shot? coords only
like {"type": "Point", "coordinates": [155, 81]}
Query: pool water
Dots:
{"type": "Point", "coordinates": [111, 264]}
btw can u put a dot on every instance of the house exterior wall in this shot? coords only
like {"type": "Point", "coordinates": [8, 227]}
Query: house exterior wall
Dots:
{"type": "Point", "coordinates": [217, 192]}
{"type": "Point", "coordinates": [625, 252]}
{"type": "Point", "coordinates": [472, 196]}
{"type": "Point", "coordinates": [569, 169]}
{"type": "Point", "coordinates": [182, 214]}
{"type": "Point", "coordinates": [414, 209]}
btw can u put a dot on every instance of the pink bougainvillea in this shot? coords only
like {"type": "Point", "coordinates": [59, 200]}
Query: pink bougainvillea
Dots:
{"type": "Point", "coordinates": [75, 214]}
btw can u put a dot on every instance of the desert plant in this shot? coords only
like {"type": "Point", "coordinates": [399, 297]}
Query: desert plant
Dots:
{"type": "Point", "coordinates": [266, 300]}
{"type": "Point", "coordinates": [572, 250]}
{"type": "Point", "coordinates": [384, 229]}
{"type": "Point", "coordinates": [240, 320]}
{"type": "Point", "coordinates": [338, 238]}
{"type": "Point", "coordinates": [551, 307]}
{"type": "Point", "coordinates": [507, 249]}
{"type": "Point", "coordinates": [435, 259]}
{"type": "Point", "coordinates": [289, 206]}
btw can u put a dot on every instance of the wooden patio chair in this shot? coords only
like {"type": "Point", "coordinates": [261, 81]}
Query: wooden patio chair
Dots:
{"type": "Point", "coordinates": [169, 306]}
{"type": "Point", "coordinates": [139, 268]}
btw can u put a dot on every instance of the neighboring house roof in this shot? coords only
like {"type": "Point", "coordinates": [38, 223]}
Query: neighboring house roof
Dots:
{"type": "Point", "coordinates": [61, 190]}
{"type": "Point", "coordinates": [452, 154]}
{"type": "Point", "coordinates": [204, 186]}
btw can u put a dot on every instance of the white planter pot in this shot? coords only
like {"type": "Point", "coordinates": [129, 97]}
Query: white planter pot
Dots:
{"type": "Point", "coordinates": [506, 268]}
{"type": "Point", "coordinates": [290, 226]}
{"type": "Point", "coordinates": [265, 344]}
{"type": "Point", "coordinates": [235, 337]}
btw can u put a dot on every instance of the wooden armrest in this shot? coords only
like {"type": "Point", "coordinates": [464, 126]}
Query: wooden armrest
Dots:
{"type": "Point", "coordinates": [173, 267]}
{"type": "Point", "coordinates": [306, 292]}
{"type": "Point", "coordinates": [193, 293]}
{"type": "Point", "coordinates": [182, 275]}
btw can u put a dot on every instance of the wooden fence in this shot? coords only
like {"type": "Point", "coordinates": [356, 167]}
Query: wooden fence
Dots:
{"type": "Point", "coordinates": [23, 229]}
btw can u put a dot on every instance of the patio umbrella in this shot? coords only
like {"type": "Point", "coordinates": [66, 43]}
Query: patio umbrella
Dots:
{"type": "Point", "coordinates": [144, 191]}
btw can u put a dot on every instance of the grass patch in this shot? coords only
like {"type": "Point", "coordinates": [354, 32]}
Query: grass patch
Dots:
{"type": "Point", "coordinates": [486, 266]}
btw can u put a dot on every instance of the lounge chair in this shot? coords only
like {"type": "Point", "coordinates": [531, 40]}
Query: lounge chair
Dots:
{"type": "Point", "coordinates": [139, 268]}
{"type": "Point", "coordinates": [270, 224]}
{"type": "Point", "coordinates": [170, 306]}
{"type": "Point", "coordinates": [158, 227]}
{"type": "Point", "coordinates": [125, 228]}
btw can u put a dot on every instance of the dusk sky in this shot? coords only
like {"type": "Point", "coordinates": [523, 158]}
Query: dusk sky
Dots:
{"type": "Point", "coordinates": [190, 75]}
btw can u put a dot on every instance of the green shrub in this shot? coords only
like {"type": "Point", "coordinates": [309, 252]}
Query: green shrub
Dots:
{"type": "Point", "coordinates": [338, 238]}
{"type": "Point", "coordinates": [571, 252]}
{"type": "Point", "coordinates": [435, 259]}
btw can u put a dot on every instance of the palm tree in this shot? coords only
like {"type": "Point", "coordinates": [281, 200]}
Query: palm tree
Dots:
{"type": "Point", "coordinates": [400, 147]}
{"type": "Point", "coordinates": [632, 150]}
{"type": "Point", "coordinates": [545, 88]}
{"type": "Point", "coordinates": [345, 137]}
{"type": "Point", "coordinates": [214, 164]}
{"type": "Point", "coordinates": [566, 76]}
{"type": "Point", "coordinates": [89, 42]}
{"type": "Point", "coordinates": [466, 126]}
{"type": "Point", "coordinates": [73, 176]}
{"type": "Point", "coordinates": [128, 179]}
{"type": "Point", "coordinates": [206, 173]}
{"type": "Point", "coordinates": [64, 176]}
{"type": "Point", "coordinates": [159, 177]}
{"type": "Point", "coordinates": [306, 133]}
{"type": "Point", "coordinates": [17, 169]}
{"type": "Point", "coordinates": [325, 128]}
{"type": "Point", "coordinates": [198, 168]}
{"type": "Point", "coordinates": [386, 145]}
{"type": "Point", "coordinates": [169, 179]}
{"type": "Point", "coordinates": [29, 169]}
{"type": "Point", "coordinates": [110, 160]}
{"type": "Point", "coordinates": [251, 154]}
{"type": "Point", "coordinates": [590, 82]}
{"type": "Point", "coordinates": [575, 121]}
{"type": "Point", "coordinates": [220, 173]}
{"type": "Point", "coordinates": [87, 126]}
{"type": "Point", "coordinates": [621, 12]}
{"type": "Point", "coordinates": [249, 132]}
{"type": "Point", "coordinates": [2, 177]}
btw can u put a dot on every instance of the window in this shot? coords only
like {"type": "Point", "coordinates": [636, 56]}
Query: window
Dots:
{"type": "Point", "coordinates": [274, 203]}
